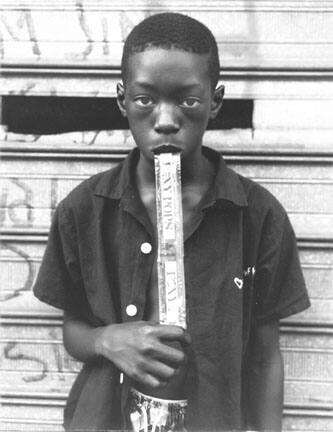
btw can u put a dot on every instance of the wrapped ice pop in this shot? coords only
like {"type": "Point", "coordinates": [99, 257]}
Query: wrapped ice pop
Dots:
{"type": "Point", "coordinates": [170, 263]}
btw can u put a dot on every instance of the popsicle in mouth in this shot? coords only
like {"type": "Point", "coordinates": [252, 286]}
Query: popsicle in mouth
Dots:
{"type": "Point", "coordinates": [170, 259]}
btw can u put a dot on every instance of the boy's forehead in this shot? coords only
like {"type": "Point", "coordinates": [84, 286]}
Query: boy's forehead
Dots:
{"type": "Point", "coordinates": [160, 61]}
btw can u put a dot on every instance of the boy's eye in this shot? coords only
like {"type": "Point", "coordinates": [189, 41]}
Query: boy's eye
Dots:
{"type": "Point", "coordinates": [190, 103]}
{"type": "Point", "coordinates": [144, 101]}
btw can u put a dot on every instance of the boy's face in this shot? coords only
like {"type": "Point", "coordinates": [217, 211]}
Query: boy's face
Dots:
{"type": "Point", "coordinates": [168, 99]}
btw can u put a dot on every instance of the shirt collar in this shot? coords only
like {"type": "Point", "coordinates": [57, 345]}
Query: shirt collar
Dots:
{"type": "Point", "coordinates": [227, 186]}
{"type": "Point", "coordinates": [119, 180]}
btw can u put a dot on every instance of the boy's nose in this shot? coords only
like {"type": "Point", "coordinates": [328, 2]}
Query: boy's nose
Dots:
{"type": "Point", "coordinates": [166, 119]}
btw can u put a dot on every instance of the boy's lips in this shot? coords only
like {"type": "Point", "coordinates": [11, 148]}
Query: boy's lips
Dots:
{"type": "Point", "coordinates": [166, 148]}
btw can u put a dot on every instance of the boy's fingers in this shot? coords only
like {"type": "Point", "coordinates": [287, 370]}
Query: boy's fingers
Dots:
{"type": "Point", "coordinates": [173, 332]}
{"type": "Point", "coordinates": [169, 354]}
{"type": "Point", "coordinates": [151, 381]}
{"type": "Point", "coordinates": [160, 370]}
{"type": "Point", "coordinates": [187, 338]}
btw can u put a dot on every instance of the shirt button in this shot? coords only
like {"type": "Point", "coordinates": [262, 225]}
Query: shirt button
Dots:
{"type": "Point", "coordinates": [131, 310]}
{"type": "Point", "coordinates": [146, 248]}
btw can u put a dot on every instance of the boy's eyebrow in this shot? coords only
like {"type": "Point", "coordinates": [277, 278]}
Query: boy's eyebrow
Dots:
{"type": "Point", "coordinates": [149, 86]}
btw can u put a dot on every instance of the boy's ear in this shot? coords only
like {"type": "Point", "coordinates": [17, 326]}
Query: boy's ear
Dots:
{"type": "Point", "coordinates": [121, 99]}
{"type": "Point", "coordinates": [217, 101]}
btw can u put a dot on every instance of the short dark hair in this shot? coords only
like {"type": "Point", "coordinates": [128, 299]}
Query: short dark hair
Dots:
{"type": "Point", "coordinates": [171, 30]}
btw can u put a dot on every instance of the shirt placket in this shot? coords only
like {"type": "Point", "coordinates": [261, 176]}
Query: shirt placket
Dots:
{"type": "Point", "coordinates": [139, 243]}
{"type": "Point", "coordinates": [141, 239]}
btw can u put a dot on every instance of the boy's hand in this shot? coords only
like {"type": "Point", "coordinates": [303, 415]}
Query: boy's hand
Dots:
{"type": "Point", "coordinates": [141, 351]}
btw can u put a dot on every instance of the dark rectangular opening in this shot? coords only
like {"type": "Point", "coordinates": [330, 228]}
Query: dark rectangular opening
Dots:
{"type": "Point", "coordinates": [50, 115]}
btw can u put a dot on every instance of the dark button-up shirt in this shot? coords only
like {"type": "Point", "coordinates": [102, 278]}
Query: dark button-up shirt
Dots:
{"type": "Point", "coordinates": [241, 267]}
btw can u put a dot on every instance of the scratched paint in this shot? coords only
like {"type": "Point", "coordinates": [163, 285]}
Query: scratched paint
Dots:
{"type": "Point", "coordinates": [8, 27]}
{"type": "Point", "coordinates": [98, 35]}
{"type": "Point", "coordinates": [25, 203]}
{"type": "Point", "coordinates": [54, 199]}
{"type": "Point", "coordinates": [20, 354]}
{"type": "Point", "coordinates": [32, 32]}
{"type": "Point", "coordinates": [3, 203]}
{"type": "Point", "coordinates": [58, 352]}
{"type": "Point", "coordinates": [24, 23]}
{"type": "Point", "coordinates": [11, 354]}
{"type": "Point", "coordinates": [126, 24]}
{"type": "Point", "coordinates": [105, 29]}
{"type": "Point", "coordinates": [2, 45]}
{"type": "Point", "coordinates": [31, 272]}
{"type": "Point", "coordinates": [17, 206]}
{"type": "Point", "coordinates": [85, 29]}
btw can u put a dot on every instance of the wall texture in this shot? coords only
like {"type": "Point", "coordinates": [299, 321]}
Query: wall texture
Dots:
{"type": "Point", "coordinates": [277, 54]}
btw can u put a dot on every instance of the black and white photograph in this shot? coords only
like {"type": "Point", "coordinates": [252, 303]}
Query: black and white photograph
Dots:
{"type": "Point", "coordinates": [166, 215]}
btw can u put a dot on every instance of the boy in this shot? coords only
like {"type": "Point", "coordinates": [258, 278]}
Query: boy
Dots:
{"type": "Point", "coordinates": [241, 266]}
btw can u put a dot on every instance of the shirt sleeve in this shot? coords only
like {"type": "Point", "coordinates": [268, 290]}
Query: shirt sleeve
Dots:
{"type": "Point", "coordinates": [59, 281]}
{"type": "Point", "coordinates": [279, 282]}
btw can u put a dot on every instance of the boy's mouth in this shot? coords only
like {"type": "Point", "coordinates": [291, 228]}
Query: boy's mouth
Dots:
{"type": "Point", "coordinates": [166, 148]}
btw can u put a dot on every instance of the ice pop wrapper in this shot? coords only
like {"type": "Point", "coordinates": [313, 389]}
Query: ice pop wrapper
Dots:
{"type": "Point", "coordinates": [170, 259]}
